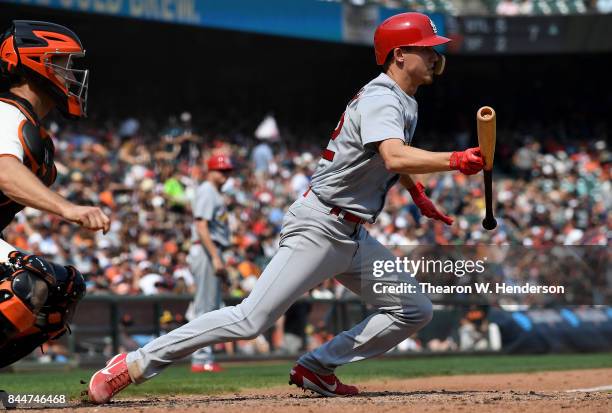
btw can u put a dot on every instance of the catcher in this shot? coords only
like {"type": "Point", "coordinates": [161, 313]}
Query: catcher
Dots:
{"type": "Point", "coordinates": [37, 297]}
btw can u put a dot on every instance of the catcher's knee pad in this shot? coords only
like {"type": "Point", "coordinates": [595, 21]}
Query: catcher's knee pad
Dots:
{"type": "Point", "coordinates": [22, 295]}
{"type": "Point", "coordinates": [36, 293]}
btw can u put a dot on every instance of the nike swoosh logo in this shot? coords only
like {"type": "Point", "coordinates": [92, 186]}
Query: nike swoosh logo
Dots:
{"type": "Point", "coordinates": [106, 371]}
{"type": "Point", "coordinates": [330, 387]}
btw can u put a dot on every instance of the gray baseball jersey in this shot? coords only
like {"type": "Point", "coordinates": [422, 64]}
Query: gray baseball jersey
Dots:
{"type": "Point", "coordinates": [351, 174]}
{"type": "Point", "coordinates": [316, 244]}
{"type": "Point", "coordinates": [208, 205]}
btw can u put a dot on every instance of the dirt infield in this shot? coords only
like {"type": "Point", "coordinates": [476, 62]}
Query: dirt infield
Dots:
{"type": "Point", "coordinates": [518, 392]}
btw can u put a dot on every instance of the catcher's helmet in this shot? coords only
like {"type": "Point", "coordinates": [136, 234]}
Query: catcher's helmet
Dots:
{"type": "Point", "coordinates": [405, 29]}
{"type": "Point", "coordinates": [220, 162]}
{"type": "Point", "coordinates": [33, 48]}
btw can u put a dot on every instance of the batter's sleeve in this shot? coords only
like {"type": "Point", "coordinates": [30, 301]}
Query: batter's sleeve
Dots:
{"type": "Point", "coordinates": [381, 118]}
{"type": "Point", "coordinates": [10, 124]}
{"type": "Point", "coordinates": [204, 203]}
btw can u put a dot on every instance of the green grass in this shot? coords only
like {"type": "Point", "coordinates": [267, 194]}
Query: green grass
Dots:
{"type": "Point", "coordinates": [178, 380]}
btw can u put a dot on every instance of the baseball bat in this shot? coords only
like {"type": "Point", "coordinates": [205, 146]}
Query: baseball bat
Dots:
{"type": "Point", "coordinates": [485, 119]}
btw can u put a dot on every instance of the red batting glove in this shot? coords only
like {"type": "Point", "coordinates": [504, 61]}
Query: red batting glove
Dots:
{"type": "Point", "coordinates": [425, 205]}
{"type": "Point", "coordinates": [468, 162]}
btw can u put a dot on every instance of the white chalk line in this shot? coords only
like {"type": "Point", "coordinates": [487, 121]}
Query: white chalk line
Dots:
{"type": "Point", "coordinates": [590, 389]}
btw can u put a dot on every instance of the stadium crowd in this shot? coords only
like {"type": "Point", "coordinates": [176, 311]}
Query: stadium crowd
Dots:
{"type": "Point", "coordinates": [547, 193]}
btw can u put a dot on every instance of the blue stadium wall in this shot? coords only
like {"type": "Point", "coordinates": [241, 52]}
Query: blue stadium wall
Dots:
{"type": "Point", "coordinates": [309, 19]}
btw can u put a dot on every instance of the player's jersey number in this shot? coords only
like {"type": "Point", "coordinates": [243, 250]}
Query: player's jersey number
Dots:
{"type": "Point", "coordinates": [327, 153]}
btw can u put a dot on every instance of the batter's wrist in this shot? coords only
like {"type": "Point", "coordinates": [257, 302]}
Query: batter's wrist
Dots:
{"type": "Point", "coordinates": [454, 160]}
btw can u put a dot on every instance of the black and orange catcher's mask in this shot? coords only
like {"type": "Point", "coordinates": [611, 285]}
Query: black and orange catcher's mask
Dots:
{"type": "Point", "coordinates": [46, 52]}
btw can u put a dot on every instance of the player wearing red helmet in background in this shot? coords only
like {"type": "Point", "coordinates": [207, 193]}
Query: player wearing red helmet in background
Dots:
{"type": "Point", "coordinates": [37, 297]}
{"type": "Point", "coordinates": [210, 235]}
{"type": "Point", "coordinates": [323, 236]}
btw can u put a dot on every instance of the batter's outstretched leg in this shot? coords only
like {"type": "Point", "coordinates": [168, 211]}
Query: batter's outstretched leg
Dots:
{"type": "Point", "coordinates": [314, 246]}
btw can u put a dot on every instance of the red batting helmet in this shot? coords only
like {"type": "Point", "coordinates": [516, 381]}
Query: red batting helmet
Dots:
{"type": "Point", "coordinates": [220, 162]}
{"type": "Point", "coordinates": [405, 29]}
{"type": "Point", "coordinates": [36, 49]}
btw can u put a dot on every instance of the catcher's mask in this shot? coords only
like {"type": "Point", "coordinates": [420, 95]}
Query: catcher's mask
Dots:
{"type": "Point", "coordinates": [46, 52]}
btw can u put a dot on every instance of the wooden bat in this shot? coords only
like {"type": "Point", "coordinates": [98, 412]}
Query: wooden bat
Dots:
{"type": "Point", "coordinates": [485, 120]}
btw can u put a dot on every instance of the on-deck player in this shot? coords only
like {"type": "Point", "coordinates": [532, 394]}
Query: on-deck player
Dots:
{"type": "Point", "coordinates": [322, 234]}
{"type": "Point", "coordinates": [210, 236]}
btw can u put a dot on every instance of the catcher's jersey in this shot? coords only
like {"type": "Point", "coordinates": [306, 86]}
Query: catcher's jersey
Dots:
{"type": "Point", "coordinates": [208, 205]}
{"type": "Point", "coordinates": [22, 137]}
{"type": "Point", "coordinates": [10, 119]}
{"type": "Point", "coordinates": [351, 174]}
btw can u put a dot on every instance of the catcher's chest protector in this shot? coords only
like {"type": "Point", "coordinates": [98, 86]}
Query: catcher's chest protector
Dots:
{"type": "Point", "coordinates": [38, 152]}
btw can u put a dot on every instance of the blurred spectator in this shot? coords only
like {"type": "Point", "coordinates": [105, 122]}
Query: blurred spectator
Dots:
{"type": "Point", "coordinates": [126, 341]}
{"type": "Point", "coordinates": [476, 332]}
{"type": "Point", "coordinates": [441, 345]}
{"type": "Point", "coordinates": [299, 181]}
{"type": "Point", "coordinates": [525, 158]}
{"type": "Point", "coordinates": [294, 326]}
{"type": "Point", "coordinates": [183, 278]}
{"type": "Point", "coordinates": [150, 282]}
{"type": "Point", "coordinates": [526, 7]}
{"type": "Point", "coordinates": [604, 6]}
{"type": "Point", "coordinates": [169, 321]}
{"type": "Point", "coordinates": [53, 351]}
{"type": "Point", "coordinates": [262, 156]}
{"type": "Point", "coordinates": [412, 344]}
{"type": "Point", "coordinates": [323, 291]}
{"type": "Point", "coordinates": [507, 8]}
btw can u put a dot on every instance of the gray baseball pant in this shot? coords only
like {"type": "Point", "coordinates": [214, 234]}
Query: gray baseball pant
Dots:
{"type": "Point", "coordinates": [207, 296]}
{"type": "Point", "coordinates": [315, 245]}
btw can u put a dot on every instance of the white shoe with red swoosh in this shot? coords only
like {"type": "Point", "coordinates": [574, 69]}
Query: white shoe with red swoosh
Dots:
{"type": "Point", "coordinates": [328, 385]}
{"type": "Point", "coordinates": [110, 380]}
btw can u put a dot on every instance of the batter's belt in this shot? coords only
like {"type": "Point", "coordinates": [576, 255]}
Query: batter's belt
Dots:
{"type": "Point", "coordinates": [341, 213]}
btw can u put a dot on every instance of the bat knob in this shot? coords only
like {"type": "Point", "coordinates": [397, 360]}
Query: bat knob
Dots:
{"type": "Point", "coordinates": [489, 223]}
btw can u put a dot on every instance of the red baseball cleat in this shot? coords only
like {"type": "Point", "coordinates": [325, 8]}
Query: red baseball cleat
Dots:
{"type": "Point", "coordinates": [110, 380]}
{"type": "Point", "coordinates": [206, 368]}
{"type": "Point", "coordinates": [324, 385]}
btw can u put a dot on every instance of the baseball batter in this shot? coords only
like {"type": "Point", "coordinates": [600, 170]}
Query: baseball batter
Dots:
{"type": "Point", "coordinates": [210, 236]}
{"type": "Point", "coordinates": [322, 234]}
